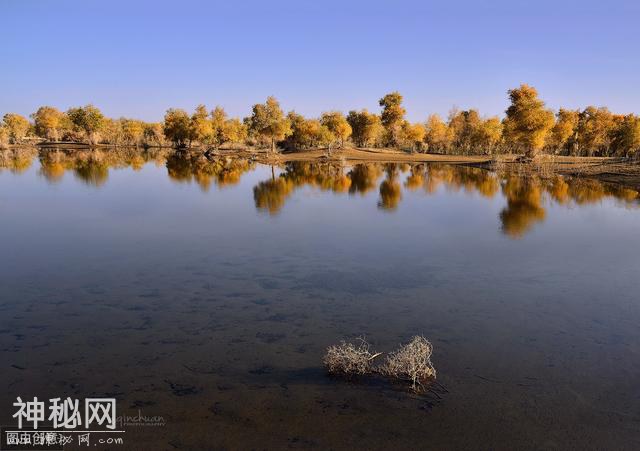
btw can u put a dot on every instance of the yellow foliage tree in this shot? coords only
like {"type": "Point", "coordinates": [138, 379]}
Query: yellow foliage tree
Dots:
{"type": "Point", "coordinates": [268, 122]}
{"type": "Point", "coordinates": [16, 125]}
{"type": "Point", "coordinates": [528, 122]}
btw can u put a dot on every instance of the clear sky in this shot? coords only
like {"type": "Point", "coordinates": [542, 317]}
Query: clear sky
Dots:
{"type": "Point", "coordinates": [138, 58]}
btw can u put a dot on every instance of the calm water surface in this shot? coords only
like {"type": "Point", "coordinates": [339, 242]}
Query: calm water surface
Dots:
{"type": "Point", "coordinates": [206, 293]}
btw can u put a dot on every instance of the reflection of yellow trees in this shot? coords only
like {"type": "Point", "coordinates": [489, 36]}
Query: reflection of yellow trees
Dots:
{"type": "Point", "coordinates": [204, 171]}
{"type": "Point", "coordinates": [558, 189]}
{"type": "Point", "coordinates": [17, 160]}
{"type": "Point", "coordinates": [364, 177]}
{"type": "Point", "coordinates": [390, 195]}
{"type": "Point", "coordinates": [460, 177]}
{"type": "Point", "coordinates": [92, 171]}
{"type": "Point", "coordinates": [416, 178]}
{"type": "Point", "coordinates": [524, 198]}
{"type": "Point", "coordinates": [92, 165]}
{"type": "Point", "coordinates": [271, 194]}
{"type": "Point", "coordinates": [390, 191]}
{"type": "Point", "coordinates": [523, 208]}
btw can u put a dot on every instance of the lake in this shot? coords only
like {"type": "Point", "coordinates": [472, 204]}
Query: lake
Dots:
{"type": "Point", "coordinates": [206, 292]}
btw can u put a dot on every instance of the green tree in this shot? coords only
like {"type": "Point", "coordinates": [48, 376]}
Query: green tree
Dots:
{"type": "Point", "coordinates": [17, 126]}
{"type": "Point", "coordinates": [366, 128]}
{"type": "Point", "coordinates": [87, 119]}
{"type": "Point", "coordinates": [48, 121]}
{"type": "Point", "coordinates": [268, 122]}
{"type": "Point", "coordinates": [528, 122]}
{"type": "Point", "coordinates": [177, 127]}
{"type": "Point", "coordinates": [392, 116]}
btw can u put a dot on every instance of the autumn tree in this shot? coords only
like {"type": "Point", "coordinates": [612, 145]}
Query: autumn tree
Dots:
{"type": "Point", "coordinates": [218, 126]}
{"type": "Point", "coordinates": [16, 127]}
{"type": "Point", "coordinates": [563, 133]}
{"type": "Point", "coordinates": [4, 135]}
{"type": "Point", "coordinates": [488, 135]}
{"type": "Point", "coordinates": [177, 127]}
{"type": "Point", "coordinates": [48, 121]}
{"type": "Point", "coordinates": [234, 131]}
{"type": "Point", "coordinates": [268, 122]}
{"type": "Point", "coordinates": [412, 134]}
{"type": "Point", "coordinates": [87, 119]}
{"type": "Point", "coordinates": [307, 133]}
{"type": "Point", "coordinates": [337, 124]}
{"type": "Point", "coordinates": [528, 122]}
{"type": "Point", "coordinates": [366, 128]}
{"type": "Point", "coordinates": [626, 137]}
{"type": "Point", "coordinates": [465, 127]}
{"type": "Point", "coordinates": [594, 131]}
{"type": "Point", "coordinates": [132, 131]}
{"type": "Point", "coordinates": [153, 135]}
{"type": "Point", "coordinates": [392, 117]}
{"type": "Point", "coordinates": [201, 128]}
{"type": "Point", "coordinates": [438, 136]}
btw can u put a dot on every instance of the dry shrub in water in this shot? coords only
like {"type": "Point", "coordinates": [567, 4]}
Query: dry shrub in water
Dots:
{"type": "Point", "coordinates": [348, 359]}
{"type": "Point", "coordinates": [411, 362]}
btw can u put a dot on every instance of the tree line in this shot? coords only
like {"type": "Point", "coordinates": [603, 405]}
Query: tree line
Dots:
{"type": "Point", "coordinates": [528, 127]}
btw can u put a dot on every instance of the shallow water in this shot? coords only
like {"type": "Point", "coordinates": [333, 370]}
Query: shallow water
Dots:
{"type": "Point", "coordinates": [206, 293]}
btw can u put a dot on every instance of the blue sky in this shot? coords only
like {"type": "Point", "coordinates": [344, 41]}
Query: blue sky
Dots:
{"type": "Point", "coordinates": [138, 58]}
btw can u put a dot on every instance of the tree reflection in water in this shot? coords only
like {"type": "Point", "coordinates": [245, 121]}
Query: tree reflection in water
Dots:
{"type": "Point", "coordinates": [526, 196]}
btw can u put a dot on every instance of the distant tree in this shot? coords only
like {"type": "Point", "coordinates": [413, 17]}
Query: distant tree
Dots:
{"type": "Point", "coordinates": [488, 135]}
{"type": "Point", "coordinates": [234, 131]}
{"type": "Point", "coordinates": [465, 129]}
{"type": "Point", "coordinates": [111, 132]}
{"type": "Point", "coordinates": [564, 131]}
{"type": "Point", "coordinates": [87, 119]}
{"type": "Point", "coordinates": [392, 116]}
{"type": "Point", "coordinates": [177, 127]}
{"type": "Point", "coordinates": [337, 124]}
{"type": "Point", "coordinates": [413, 134]}
{"type": "Point", "coordinates": [594, 131]}
{"type": "Point", "coordinates": [48, 121]}
{"type": "Point", "coordinates": [4, 135]}
{"type": "Point", "coordinates": [528, 122]}
{"type": "Point", "coordinates": [626, 137]}
{"type": "Point", "coordinates": [307, 133]}
{"type": "Point", "coordinates": [132, 131]}
{"type": "Point", "coordinates": [153, 135]}
{"type": "Point", "coordinates": [16, 126]}
{"type": "Point", "coordinates": [268, 122]}
{"type": "Point", "coordinates": [438, 136]}
{"type": "Point", "coordinates": [219, 124]}
{"type": "Point", "coordinates": [201, 128]}
{"type": "Point", "coordinates": [366, 128]}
